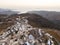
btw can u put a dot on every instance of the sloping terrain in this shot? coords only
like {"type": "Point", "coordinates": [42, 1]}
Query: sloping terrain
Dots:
{"type": "Point", "coordinates": [54, 33]}
{"type": "Point", "coordinates": [22, 33]}
{"type": "Point", "coordinates": [50, 15]}
{"type": "Point", "coordinates": [39, 21]}
{"type": "Point", "coordinates": [5, 22]}
{"type": "Point", "coordinates": [34, 20]}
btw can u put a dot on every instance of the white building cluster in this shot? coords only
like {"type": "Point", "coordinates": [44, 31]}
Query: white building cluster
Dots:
{"type": "Point", "coordinates": [22, 33]}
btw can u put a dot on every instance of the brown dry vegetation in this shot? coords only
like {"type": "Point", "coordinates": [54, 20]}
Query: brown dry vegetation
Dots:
{"type": "Point", "coordinates": [5, 25]}
{"type": "Point", "coordinates": [53, 33]}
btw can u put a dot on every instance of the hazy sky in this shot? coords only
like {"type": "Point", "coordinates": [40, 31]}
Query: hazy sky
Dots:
{"type": "Point", "coordinates": [30, 4]}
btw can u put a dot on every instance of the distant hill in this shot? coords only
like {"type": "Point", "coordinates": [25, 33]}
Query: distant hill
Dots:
{"type": "Point", "coordinates": [39, 21]}
{"type": "Point", "coordinates": [50, 15]}
{"type": "Point", "coordinates": [7, 11]}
